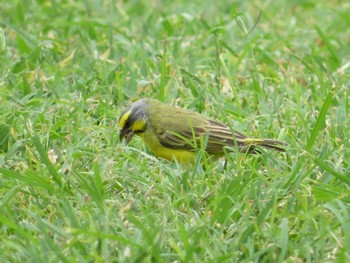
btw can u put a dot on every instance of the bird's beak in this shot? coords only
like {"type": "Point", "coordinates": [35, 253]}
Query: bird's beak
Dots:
{"type": "Point", "coordinates": [127, 134]}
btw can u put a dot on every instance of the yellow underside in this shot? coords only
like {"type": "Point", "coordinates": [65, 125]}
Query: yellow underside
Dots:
{"type": "Point", "coordinates": [159, 150]}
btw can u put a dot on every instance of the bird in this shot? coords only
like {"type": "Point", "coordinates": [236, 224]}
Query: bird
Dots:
{"type": "Point", "coordinates": [174, 133]}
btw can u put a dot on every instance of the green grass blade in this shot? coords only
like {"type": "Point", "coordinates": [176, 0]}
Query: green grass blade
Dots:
{"type": "Point", "coordinates": [320, 120]}
{"type": "Point", "coordinates": [342, 177]}
{"type": "Point", "coordinates": [163, 73]}
{"type": "Point", "coordinates": [29, 178]}
{"type": "Point", "coordinates": [5, 221]}
{"type": "Point", "coordinates": [283, 239]}
{"type": "Point", "coordinates": [21, 33]}
{"type": "Point", "coordinates": [45, 159]}
{"type": "Point", "coordinates": [328, 44]}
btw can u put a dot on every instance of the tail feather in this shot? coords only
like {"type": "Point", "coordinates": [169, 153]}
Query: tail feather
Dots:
{"type": "Point", "coordinates": [267, 143]}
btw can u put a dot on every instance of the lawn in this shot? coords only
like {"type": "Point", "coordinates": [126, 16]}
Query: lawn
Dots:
{"type": "Point", "coordinates": [71, 192]}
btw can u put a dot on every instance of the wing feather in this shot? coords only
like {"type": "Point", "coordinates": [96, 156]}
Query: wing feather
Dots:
{"type": "Point", "coordinates": [189, 137]}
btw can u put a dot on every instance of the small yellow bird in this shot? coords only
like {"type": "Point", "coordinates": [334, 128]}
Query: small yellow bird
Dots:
{"type": "Point", "coordinates": [175, 133]}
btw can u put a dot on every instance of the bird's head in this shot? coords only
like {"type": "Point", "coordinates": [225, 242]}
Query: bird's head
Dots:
{"type": "Point", "coordinates": [133, 120]}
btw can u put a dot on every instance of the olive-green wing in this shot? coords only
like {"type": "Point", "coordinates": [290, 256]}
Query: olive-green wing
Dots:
{"type": "Point", "coordinates": [220, 136]}
{"type": "Point", "coordinates": [182, 129]}
{"type": "Point", "coordinates": [188, 137]}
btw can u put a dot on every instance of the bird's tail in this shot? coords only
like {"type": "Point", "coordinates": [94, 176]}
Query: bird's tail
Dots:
{"type": "Point", "coordinates": [277, 145]}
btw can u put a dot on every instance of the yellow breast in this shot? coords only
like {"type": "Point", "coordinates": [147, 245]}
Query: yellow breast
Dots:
{"type": "Point", "coordinates": [161, 151]}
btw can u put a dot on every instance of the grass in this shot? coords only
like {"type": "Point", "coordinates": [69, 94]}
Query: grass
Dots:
{"type": "Point", "coordinates": [70, 192]}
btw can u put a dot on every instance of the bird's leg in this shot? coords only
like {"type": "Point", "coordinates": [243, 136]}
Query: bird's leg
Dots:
{"type": "Point", "coordinates": [225, 164]}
